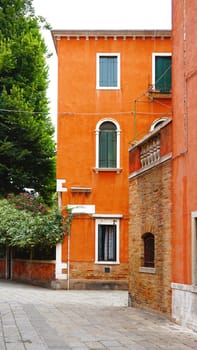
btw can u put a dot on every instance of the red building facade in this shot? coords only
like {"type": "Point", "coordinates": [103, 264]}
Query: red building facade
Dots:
{"type": "Point", "coordinates": [184, 169]}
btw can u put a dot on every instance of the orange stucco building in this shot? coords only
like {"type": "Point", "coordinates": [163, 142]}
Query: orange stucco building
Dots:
{"type": "Point", "coordinates": [184, 169]}
{"type": "Point", "coordinates": [108, 87]}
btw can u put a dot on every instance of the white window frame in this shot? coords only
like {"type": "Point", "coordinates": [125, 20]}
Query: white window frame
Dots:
{"type": "Point", "coordinates": [194, 247]}
{"type": "Point", "coordinates": [157, 122]}
{"type": "Point", "coordinates": [107, 221]}
{"type": "Point", "coordinates": [117, 144]}
{"type": "Point", "coordinates": [98, 55]}
{"type": "Point", "coordinates": [154, 55]}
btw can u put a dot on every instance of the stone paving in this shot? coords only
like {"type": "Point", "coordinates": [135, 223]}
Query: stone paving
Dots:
{"type": "Point", "coordinates": [34, 318]}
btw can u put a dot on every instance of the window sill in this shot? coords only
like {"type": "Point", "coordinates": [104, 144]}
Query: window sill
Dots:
{"type": "Point", "coordinates": [147, 270]}
{"type": "Point", "coordinates": [108, 88]}
{"type": "Point", "coordinates": [81, 189]}
{"type": "Point", "coordinates": [158, 94]}
{"type": "Point", "coordinates": [115, 170]}
{"type": "Point", "coordinates": [107, 262]}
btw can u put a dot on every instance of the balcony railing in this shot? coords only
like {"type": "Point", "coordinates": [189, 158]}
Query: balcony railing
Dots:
{"type": "Point", "coordinates": [150, 151]}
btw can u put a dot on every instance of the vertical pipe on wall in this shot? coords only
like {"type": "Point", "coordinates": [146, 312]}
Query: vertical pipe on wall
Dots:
{"type": "Point", "coordinates": [185, 73]}
{"type": "Point", "coordinates": [134, 121]}
{"type": "Point", "coordinates": [68, 264]}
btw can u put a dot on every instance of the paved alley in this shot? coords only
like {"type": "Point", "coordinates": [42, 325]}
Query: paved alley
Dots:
{"type": "Point", "coordinates": [34, 318]}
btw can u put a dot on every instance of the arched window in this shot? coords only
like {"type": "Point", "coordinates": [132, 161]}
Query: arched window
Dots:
{"type": "Point", "coordinates": [107, 144]}
{"type": "Point", "coordinates": [157, 123]}
{"type": "Point", "coordinates": [149, 249]}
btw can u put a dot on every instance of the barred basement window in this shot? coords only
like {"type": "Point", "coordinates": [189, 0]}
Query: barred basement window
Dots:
{"type": "Point", "coordinates": [149, 250]}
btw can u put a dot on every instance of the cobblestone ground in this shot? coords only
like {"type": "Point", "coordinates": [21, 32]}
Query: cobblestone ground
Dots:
{"type": "Point", "coordinates": [33, 318]}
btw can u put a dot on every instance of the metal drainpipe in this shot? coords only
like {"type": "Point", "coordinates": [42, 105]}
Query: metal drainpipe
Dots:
{"type": "Point", "coordinates": [185, 78]}
{"type": "Point", "coordinates": [134, 120]}
{"type": "Point", "coordinates": [68, 266]}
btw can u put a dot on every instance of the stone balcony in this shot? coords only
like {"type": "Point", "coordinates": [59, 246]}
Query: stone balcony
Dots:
{"type": "Point", "coordinates": [151, 150]}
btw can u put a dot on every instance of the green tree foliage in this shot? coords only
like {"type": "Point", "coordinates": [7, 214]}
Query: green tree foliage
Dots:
{"type": "Point", "coordinates": [27, 223]}
{"type": "Point", "coordinates": [27, 149]}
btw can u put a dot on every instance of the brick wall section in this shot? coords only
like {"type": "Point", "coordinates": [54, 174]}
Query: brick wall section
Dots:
{"type": "Point", "coordinates": [90, 270]}
{"type": "Point", "coordinates": [2, 268]}
{"type": "Point", "coordinates": [94, 275]}
{"type": "Point", "coordinates": [41, 273]}
{"type": "Point", "coordinates": [150, 211]}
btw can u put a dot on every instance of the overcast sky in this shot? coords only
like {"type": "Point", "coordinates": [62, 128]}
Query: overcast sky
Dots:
{"type": "Point", "coordinates": [98, 14]}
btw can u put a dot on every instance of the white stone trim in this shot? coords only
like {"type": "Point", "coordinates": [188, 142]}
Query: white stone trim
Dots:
{"type": "Point", "coordinates": [59, 264]}
{"type": "Point", "coordinates": [158, 122]}
{"type": "Point", "coordinates": [108, 216]}
{"type": "Point", "coordinates": [184, 301]}
{"type": "Point", "coordinates": [82, 208]}
{"type": "Point", "coordinates": [150, 270]}
{"type": "Point", "coordinates": [184, 287]}
{"type": "Point", "coordinates": [59, 185]}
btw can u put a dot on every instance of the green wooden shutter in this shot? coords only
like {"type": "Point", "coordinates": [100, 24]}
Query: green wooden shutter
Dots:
{"type": "Point", "coordinates": [163, 73]}
{"type": "Point", "coordinates": [108, 71]}
{"type": "Point", "coordinates": [111, 145]}
{"type": "Point", "coordinates": [107, 145]}
{"type": "Point", "coordinates": [103, 149]}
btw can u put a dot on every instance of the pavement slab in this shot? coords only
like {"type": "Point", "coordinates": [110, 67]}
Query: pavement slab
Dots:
{"type": "Point", "coordinates": [35, 318]}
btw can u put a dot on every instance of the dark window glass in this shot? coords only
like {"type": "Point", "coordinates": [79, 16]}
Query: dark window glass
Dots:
{"type": "Point", "coordinates": [149, 250]}
{"type": "Point", "coordinates": [106, 242]}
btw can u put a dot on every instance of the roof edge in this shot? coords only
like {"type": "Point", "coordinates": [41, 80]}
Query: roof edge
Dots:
{"type": "Point", "coordinates": [58, 33]}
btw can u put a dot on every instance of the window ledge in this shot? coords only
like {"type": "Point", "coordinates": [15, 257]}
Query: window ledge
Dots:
{"type": "Point", "coordinates": [158, 94]}
{"type": "Point", "coordinates": [108, 87]}
{"type": "Point", "coordinates": [107, 262]}
{"type": "Point", "coordinates": [81, 189]}
{"type": "Point", "coordinates": [184, 287]}
{"type": "Point", "coordinates": [147, 269]}
{"type": "Point", "coordinates": [115, 170]}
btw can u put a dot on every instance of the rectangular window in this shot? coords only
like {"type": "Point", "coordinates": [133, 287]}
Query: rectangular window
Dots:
{"type": "Point", "coordinates": [108, 71]}
{"type": "Point", "coordinates": [162, 72]}
{"type": "Point", "coordinates": [107, 241]}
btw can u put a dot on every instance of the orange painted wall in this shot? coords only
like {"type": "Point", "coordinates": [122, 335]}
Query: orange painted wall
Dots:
{"type": "Point", "coordinates": [81, 107]}
{"type": "Point", "coordinates": [184, 198]}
